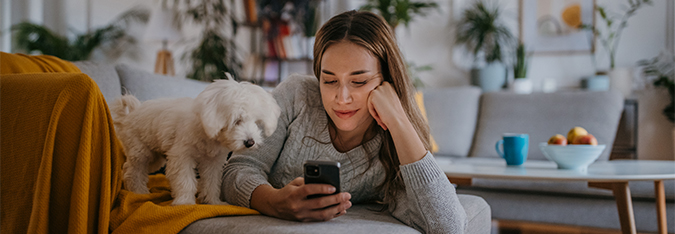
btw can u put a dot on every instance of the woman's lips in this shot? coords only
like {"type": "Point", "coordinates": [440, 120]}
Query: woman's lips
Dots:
{"type": "Point", "coordinates": [345, 114]}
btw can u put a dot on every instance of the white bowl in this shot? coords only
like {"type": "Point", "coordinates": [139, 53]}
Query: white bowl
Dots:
{"type": "Point", "coordinates": [573, 157]}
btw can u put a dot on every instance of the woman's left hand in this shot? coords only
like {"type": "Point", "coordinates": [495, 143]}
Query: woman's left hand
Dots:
{"type": "Point", "coordinates": [385, 106]}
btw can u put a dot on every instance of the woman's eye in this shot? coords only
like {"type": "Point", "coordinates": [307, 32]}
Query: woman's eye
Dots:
{"type": "Point", "coordinates": [360, 82]}
{"type": "Point", "coordinates": [330, 82]}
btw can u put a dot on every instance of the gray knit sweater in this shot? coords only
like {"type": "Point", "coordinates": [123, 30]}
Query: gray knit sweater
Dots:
{"type": "Point", "coordinates": [428, 204]}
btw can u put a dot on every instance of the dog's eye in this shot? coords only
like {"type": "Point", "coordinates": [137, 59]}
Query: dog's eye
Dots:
{"type": "Point", "coordinates": [237, 122]}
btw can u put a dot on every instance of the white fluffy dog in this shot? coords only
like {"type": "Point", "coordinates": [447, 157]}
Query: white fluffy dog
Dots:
{"type": "Point", "coordinates": [186, 133]}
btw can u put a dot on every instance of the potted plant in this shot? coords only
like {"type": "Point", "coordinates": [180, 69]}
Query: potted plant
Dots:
{"type": "Point", "coordinates": [609, 36]}
{"type": "Point", "coordinates": [660, 72]}
{"type": "Point", "coordinates": [396, 12]}
{"type": "Point", "coordinates": [521, 83]}
{"type": "Point", "coordinates": [112, 39]}
{"type": "Point", "coordinates": [481, 32]}
{"type": "Point", "coordinates": [215, 51]}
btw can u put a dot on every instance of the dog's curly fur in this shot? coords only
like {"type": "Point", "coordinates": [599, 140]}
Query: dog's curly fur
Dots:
{"type": "Point", "coordinates": [188, 133]}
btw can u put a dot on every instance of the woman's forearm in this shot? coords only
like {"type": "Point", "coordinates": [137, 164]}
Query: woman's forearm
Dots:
{"type": "Point", "coordinates": [409, 146]}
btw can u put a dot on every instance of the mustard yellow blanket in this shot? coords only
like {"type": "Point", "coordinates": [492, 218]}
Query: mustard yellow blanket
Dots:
{"type": "Point", "coordinates": [153, 213]}
{"type": "Point", "coordinates": [61, 163]}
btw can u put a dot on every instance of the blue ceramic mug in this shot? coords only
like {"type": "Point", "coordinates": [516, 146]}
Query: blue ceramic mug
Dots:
{"type": "Point", "coordinates": [513, 147]}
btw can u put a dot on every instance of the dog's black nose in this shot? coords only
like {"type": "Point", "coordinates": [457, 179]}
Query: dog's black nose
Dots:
{"type": "Point", "coordinates": [248, 143]}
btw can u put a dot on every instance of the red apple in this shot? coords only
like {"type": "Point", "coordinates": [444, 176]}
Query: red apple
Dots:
{"type": "Point", "coordinates": [558, 139]}
{"type": "Point", "coordinates": [587, 139]}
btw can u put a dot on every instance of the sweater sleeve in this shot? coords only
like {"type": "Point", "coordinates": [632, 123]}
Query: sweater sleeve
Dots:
{"type": "Point", "coordinates": [248, 169]}
{"type": "Point", "coordinates": [429, 202]}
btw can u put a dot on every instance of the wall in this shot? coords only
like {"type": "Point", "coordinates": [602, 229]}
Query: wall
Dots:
{"type": "Point", "coordinates": [428, 41]}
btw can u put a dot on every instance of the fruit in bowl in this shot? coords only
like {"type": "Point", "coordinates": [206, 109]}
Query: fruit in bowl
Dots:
{"type": "Point", "coordinates": [574, 157]}
{"type": "Point", "coordinates": [575, 152]}
{"type": "Point", "coordinates": [574, 133]}
{"type": "Point", "coordinates": [558, 139]}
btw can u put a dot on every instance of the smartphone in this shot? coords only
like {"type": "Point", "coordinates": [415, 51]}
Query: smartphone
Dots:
{"type": "Point", "coordinates": [322, 172]}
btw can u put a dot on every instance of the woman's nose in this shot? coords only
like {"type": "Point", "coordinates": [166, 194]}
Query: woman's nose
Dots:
{"type": "Point", "coordinates": [343, 95]}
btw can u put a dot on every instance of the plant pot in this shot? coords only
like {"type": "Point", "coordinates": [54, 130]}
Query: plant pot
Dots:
{"type": "Point", "coordinates": [490, 78]}
{"type": "Point", "coordinates": [621, 79]}
{"type": "Point", "coordinates": [522, 86]}
{"type": "Point", "coordinates": [596, 83]}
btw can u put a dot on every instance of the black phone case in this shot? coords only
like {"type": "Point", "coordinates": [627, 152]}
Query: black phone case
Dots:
{"type": "Point", "coordinates": [329, 173]}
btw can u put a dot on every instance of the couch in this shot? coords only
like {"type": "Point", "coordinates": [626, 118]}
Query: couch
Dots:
{"type": "Point", "coordinates": [466, 124]}
{"type": "Point", "coordinates": [114, 80]}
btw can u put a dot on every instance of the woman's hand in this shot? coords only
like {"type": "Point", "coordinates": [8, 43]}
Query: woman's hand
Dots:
{"type": "Point", "coordinates": [385, 106]}
{"type": "Point", "coordinates": [291, 203]}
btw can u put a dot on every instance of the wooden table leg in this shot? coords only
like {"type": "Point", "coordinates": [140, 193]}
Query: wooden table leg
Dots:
{"type": "Point", "coordinates": [460, 180]}
{"type": "Point", "coordinates": [624, 204]}
{"type": "Point", "coordinates": [660, 206]}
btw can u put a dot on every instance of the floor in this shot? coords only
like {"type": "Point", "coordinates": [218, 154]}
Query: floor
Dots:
{"type": "Point", "coordinates": [520, 227]}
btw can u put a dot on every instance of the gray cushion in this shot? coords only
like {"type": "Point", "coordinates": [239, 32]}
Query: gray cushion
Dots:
{"type": "Point", "coordinates": [147, 86]}
{"type": "Point", "coordinates": [359, 219]}
{"type": "Point", "coordinates": [105, 77]}
{"type": "Point", "coordinates": [542, 115]}
{"type": "Point", "coordinates": [452, 114]}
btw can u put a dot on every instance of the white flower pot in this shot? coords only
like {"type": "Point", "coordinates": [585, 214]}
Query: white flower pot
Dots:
{"type": "Point", "coordinates": [621, 79]}
{"type": "Point", "coordinates": [522, 86]}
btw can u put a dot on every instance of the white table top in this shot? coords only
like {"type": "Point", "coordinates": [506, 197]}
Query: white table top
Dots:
{"type": "Point", "coordinates": [606, 171]}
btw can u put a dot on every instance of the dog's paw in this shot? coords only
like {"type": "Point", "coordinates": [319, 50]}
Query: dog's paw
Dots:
{"type": "Point", "coordinates": [139, 190]}
{"type": "Point", "coordinates": [179, 201]}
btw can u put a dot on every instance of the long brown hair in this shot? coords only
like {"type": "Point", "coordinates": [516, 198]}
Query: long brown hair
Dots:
{"type": "Point", "coordinates": [373, 33]}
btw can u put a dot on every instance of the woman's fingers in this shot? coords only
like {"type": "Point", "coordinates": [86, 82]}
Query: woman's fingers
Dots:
{"type": "Point", "coordinates": [373, 111]}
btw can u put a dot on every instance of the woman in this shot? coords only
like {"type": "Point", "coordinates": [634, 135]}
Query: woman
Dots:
{"type": "Point", "coordinates": [359, 112]}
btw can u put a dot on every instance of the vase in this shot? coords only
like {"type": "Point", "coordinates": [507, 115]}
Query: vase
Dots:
{"type": "Point", "coordinates": [490, 78]}
{"type": "Point", "coordinates": [621, 79]}
{"type": "Point", "coordinates": [596, 83]}
{"type": "Point", "coordinates": [522, 86]}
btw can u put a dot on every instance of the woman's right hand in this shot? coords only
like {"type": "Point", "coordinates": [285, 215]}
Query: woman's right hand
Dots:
{"type": "Point", "coordinates": [291, 203]}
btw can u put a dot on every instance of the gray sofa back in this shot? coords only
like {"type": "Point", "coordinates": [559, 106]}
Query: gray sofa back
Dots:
{"type": "Point", "coordinates": [452, 114]}
{"type": "Point", "coordinates": [113, 81]}
{"type": "Point", "coordinates": [542, 115]}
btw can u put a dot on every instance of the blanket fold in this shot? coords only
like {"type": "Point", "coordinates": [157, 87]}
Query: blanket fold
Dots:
{"type": "Point", "coordinates": [61, 163]}
{"type": "Point", "coordinates": [153, 213]}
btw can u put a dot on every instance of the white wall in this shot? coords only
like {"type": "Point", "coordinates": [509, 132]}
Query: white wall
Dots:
{"type": "Point", "coordinates": [428, 41]}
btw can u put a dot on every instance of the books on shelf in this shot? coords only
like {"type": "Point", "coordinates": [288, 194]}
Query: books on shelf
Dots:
{"type": "Point", "coordinates": [283, 43]}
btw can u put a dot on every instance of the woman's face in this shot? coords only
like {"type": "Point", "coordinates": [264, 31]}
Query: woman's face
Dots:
{"type": "Point", "coordinates": [348, 73]}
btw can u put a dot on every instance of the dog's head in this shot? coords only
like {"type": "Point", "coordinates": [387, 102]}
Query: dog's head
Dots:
{"type": "Point", "coordinates": [234, 113]}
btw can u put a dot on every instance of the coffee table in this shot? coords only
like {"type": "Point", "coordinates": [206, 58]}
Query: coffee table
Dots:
{"type": "Point", "coordinates": [613, 175]}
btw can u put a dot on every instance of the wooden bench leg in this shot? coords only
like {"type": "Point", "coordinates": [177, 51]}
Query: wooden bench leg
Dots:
{"type": "Point", "coordinates": [624, 204]}
{"type": "Point", "coordinates": [660, 206]}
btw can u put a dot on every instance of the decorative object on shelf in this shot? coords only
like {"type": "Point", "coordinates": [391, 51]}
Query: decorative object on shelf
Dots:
{"type": "Point", "coordinates": [598, 82]}
{"type": "Point", "coordinates": [481, 32]}
{"type": "Point", "coordinates": [215, 52]}
{"type": "Point", "coordinates": [660, 72]}
{"type": "Point", "coordinates": [111, 39]}
{"type": "Point", "coordinates": [552, 26]}
{"type": "Point", "coordinates": [521, 83]}
{"type": "Point", "coordinates": [609, 34]}
{"type": "Point", "coordinates": [398, 11]}
{"type": "Point", "coordinates": [160, 28]}
{"type": "Point", "coordinates": [251, 11]}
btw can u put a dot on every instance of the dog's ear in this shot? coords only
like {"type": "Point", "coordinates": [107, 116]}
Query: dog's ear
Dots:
{"type": "Point", "coordinates": [270, 118]}
{"type": "Point", "coordinates": [207, 108]}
